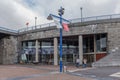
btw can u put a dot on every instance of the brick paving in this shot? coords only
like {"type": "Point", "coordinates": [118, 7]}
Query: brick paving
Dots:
{"type": "Point", "coordinates": [35, 72]}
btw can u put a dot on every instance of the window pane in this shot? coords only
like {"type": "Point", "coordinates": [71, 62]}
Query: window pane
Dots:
{"type": "Point", "coordinates": [88, 44]}
{"type": "Point", "coordinates": [101, 42]}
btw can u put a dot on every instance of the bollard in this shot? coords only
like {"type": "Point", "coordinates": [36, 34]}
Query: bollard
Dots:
{"type": "Point", "coordinates": [65, 68]}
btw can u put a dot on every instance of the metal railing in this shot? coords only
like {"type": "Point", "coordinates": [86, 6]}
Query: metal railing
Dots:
{"type": "Point", "coordinates": [37, 27]}
{"type": "Point", "coordinates": [9, 30]}
{"type": "Point", "coordinates": [93, 18]}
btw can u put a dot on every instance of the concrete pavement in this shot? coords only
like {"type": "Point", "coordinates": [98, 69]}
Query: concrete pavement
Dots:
{"type": "Point", "coordinates": [101, 73]}
{"type": "Point", "coordinates": [50, 72]}
{"type": "Point", "coordinates": [36, 72]}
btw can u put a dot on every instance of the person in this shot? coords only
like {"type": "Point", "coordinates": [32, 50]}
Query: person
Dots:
{"type": "Point", "coordinates": [23, 58]}
{"type": "Point", "coordinates": [84, 62]}
{"type": "Point", "coordinates": [77, 62]}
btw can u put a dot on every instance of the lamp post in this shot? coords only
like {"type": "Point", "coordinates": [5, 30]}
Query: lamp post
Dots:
{"type": "Point", "coordinates": [50, 17]}
{"type": "Point", "coordinates": [35, 21]}
{"type": "Point", "coordinates": [81, 13]}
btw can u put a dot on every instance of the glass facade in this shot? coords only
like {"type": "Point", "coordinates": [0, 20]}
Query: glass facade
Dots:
{"type": "Point", "coordinates": [69, 48]}
{"type": "Point", "coordinates": [28, 48]}
{"type": "Point", "coordinates": [47, 52]}
{"type": "Point", "coordinates": [100, 42]}
{"type": "Point", "coordinates": [88, 43]}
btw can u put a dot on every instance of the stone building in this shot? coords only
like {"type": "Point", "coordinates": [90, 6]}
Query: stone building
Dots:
{"type": "Point", "coordinates": [96, 39]}
{"type": "Point", "coordinates": [8, 46]}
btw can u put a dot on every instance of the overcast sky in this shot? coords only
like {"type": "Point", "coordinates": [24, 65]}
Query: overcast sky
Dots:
{"type": "Point", "coordinates": [15, 13]}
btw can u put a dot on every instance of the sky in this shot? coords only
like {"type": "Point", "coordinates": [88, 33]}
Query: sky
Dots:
{"type": "Point", "coordinates": [14, 14]}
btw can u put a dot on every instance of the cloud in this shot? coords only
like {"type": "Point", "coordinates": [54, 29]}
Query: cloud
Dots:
{"type": "Point", "coordinates": [15, 13]}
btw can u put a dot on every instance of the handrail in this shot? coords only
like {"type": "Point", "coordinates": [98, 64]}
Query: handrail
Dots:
{"type": "Point", "coordinates": [37, 27]}
{"type": "Point", "coordinates": [96, 18]}
{"type": "Point", "coordinates": [93, 18]}
{"type": "Point", "coordinates": [85, 19]}
{"type": "Point", "coordinates": [10, 30]}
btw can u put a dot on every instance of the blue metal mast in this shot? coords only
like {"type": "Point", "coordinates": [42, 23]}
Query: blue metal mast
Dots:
{"type": "Point", "coordinates": [61, 11]}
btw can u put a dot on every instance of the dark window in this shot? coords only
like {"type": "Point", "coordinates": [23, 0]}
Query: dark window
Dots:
{"type": "Point", "coordinates": [88, 43]}
{"type": "Point", "coordinates": [101, 42]}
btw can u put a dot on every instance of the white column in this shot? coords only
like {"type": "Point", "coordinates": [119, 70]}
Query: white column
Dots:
{"type": "Point", "coordinates": [80, 48]}
{"type": "Point", "coordinates": [55, 51]}
{"type": "Point", "coordinates": [36, 55]}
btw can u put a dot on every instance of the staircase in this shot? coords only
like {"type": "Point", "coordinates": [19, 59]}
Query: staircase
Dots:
{"type": "Point", "coordinates": [112, 59]}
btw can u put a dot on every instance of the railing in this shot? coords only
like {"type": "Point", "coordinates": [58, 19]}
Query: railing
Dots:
{"type": "Point", "coordinates": [93, 18]}
{"type": "Point", "coordinates": [9, 30]}
{"type": "Point", "coordinates": [37, 27]}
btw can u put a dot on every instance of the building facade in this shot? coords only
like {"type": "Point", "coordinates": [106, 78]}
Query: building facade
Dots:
{"type": "Point", "coordinates": [96, 40]}
{"type": "Point", "coordinates": [92, 40]}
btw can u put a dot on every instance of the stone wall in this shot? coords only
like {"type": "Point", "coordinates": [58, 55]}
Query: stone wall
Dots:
{"type": "Point", "coordinates": [113, 47]}
{"type": "Point", "coordinates": [9, 51]}
{"type": "Point", "coordinates": [1, 50]}
{"type": "Point", "coordinates": [74, 30]}
{"type": "Point", "coordinates": [112, 30]}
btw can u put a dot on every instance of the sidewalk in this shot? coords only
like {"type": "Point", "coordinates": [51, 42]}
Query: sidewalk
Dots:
{"type": "Point", "coordinates": [59, 76]}
{"type": "Point", "coordinates": [36, 72]}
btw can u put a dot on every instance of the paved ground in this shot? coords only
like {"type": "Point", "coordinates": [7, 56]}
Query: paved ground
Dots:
{"type": "Point", "coordinates": [103, 73]}
{"type": "Point", "coordinates": [36, 72]}
{"type": "Point", "coordinates": [47, 72]}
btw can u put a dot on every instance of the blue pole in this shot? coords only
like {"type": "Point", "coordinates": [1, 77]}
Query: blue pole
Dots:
{"type": "Point", "coordinates": [61, 65]}
{"type": "Point", "coordinates": [61, 50]}
{"type": "Point", "coordinates": [60, 13]}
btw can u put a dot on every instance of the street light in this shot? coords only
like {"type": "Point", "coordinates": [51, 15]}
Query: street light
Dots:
{"type": "Point", "coordinates": [50, 17]}
{"type": "Point", "coordinates": [35, 22]}
{"type": "Point", "coordinates": [81, 13]}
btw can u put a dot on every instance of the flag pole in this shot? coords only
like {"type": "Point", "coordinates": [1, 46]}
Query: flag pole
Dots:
{"type": "Point", "coordinates": [27, 25]}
